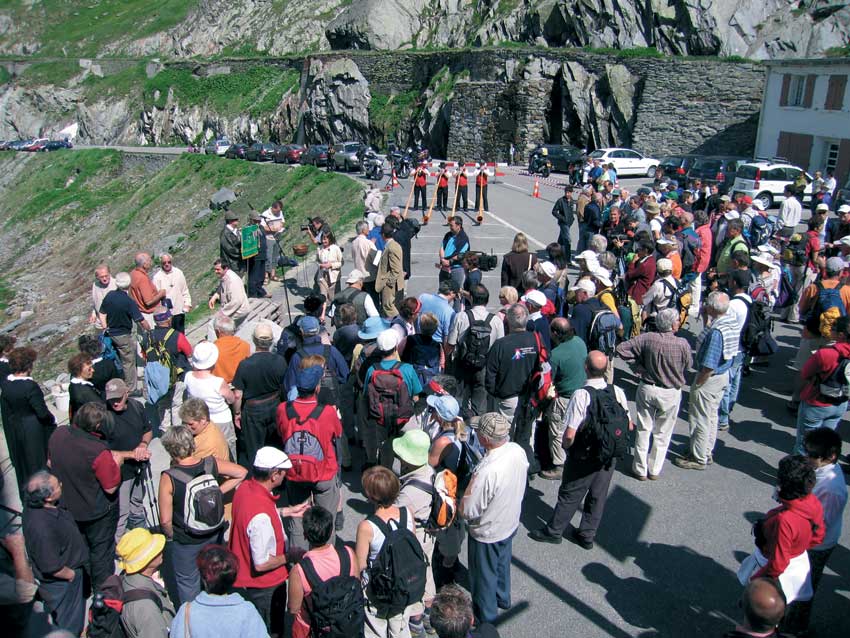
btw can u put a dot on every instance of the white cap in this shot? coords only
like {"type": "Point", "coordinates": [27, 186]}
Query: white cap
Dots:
{"type": "Point", "coordinates": [355, 276]}
{"type": "Point", "coordinates": [387, 340]}
{"type": "Point", "coordinates": [844, 208]}
{"type": "Point", "coordinates": [533, 296]}
{"type": "Point", "coordinates": [588, 255]}
{"type": "Point", "coordinates": [548, 268]}
{"type": "Point", "coordinates": [664, 265]}
{"type": "Point", "coordinates": [758, 204]}
{"type": "Point", "coordinates": [666, 242]}
{"type": "Point", "coordinates": [822, 206]}
{"type": "Point", "coordinates": [586, 285]}
{"type": "Point", "coordinates": [732, 214]}
{"type": "Point", "coordinates": [662, 186]}
{"type": "Point", "coordinates": [845, 241]}
{"type": "Point", "coordinates": [270, 458]}
{"type": "Point", "coordinates": [602, 274]}
{"type": "Point", "coordinates": [767, 248]}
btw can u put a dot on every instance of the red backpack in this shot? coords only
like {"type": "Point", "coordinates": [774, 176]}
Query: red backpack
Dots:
{"type": "Point", "coordinates": [390, 404]}
{"type": "Point", "coordinates": [303, 447]}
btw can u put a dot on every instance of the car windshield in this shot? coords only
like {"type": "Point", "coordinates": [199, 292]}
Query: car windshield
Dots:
{"type": "Point", "coordinates": [747, 171]}
{"type": "Point", "coordinates": [707, 165]}
{"type": "Point", "coordinates": [671, 161]}
{"type": "Point", "coordinates": [596, 154]}
{"type": "Point", "coordinates": [352, 148]}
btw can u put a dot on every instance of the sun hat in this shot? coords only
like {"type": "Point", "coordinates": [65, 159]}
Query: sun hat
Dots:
{"type": "Point", "coordinates": [446, 406]}
{"type": "Point", "coordinates": [732, 214]}
{"type": "Point", "coordinates": [494, 426]}
{"type": "Point", "coordinates": [372, 327]}
{"type": "Point", "coordinates": [663, 241]}
{"type": "Point", "coordinates": [388, 340]}
{"type": "Point", "coordinates": [767, 248]}
{"type": "Point", "coordinates": [270, 458]}
{"type": "Point", "coordinates": [765, 259]}
{"type": "Point", "coordinates": [536, 297]}
{"type": "Point", "coordinates": [412, 447]}
{"type": "Point", "coordinates": [137, 548]}
{"type": "Point", "coordinates": [204, 356]}
{"type": "Point", "coordinates": [587, 255]}
{"type": "Point", "coordinates": [758, 204]}
{"type": "Point", "coordinates": [845, 241]}
{"type": "Point", "coordinates": [355, 276]}
{"type": "Point", "coordinates": [115, 389]}
{"type": "Point", "coordinates": [586, 285]}
{"type": "Point", "coordinates": [603, 275]}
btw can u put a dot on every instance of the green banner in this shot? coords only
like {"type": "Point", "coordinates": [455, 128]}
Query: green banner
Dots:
{"type": "Point", "coordinates": [250, 243]}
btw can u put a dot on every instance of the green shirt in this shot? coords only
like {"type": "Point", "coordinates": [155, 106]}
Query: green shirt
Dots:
{"type": "Point", "coordinates": [567, 361]}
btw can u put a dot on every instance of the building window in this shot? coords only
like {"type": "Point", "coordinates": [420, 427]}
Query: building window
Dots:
{"type": "Point", "coordinates": [835, 93]}
{"type": "Point", "coordinates": [830, 155]}
{"type": "Point", "coordinates": [796, 90]}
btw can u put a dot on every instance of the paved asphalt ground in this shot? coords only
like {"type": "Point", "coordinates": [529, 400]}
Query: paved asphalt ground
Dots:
{"type": "Point", "coordinates": [667, 551]}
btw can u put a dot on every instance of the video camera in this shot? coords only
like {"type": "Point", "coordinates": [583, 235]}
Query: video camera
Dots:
{"type": "Point", "coordinates": [486, 262]}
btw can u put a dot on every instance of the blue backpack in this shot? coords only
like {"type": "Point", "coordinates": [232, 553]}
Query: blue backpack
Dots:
{"type": "Point", "coordinates": [827, 308]}
{"type": "Point", "coordinates": [602, 335]}
{"type": "Point", "coordinates": [761, 230]}
{"type": "Point", "coordinates": [108, 350]}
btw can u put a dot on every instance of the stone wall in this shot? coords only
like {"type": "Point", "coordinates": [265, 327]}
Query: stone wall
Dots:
{"type": "Point", "coordinates": [483, 117]}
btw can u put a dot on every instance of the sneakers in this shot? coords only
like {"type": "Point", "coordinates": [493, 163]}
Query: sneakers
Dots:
{"type": "Point", "coordinates": [722, 427]}
{"type": "Point", "coordinates": [688, 464]}
{"type": "Point", "coordinates": [553, 474]}
{"type": "Point", "coordinates": [543, 535]}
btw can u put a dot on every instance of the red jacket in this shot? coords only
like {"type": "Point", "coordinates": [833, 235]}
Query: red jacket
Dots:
{"type": "Point", "coordinates": [789, 530]}
{"type": "Point", "coordinates": [251, 499]}
{"type": "Point", "coordinates": [481, 179]}
{"type": "Point", "coordinates": [703, 253]}
{"type": "Point", "coordinates": [421, 178]}
{"type": "Point", "coordinates": [443, 180]}
{"type": "Point", "coordinates": [327, 428]}
{"type": "Point", "coordinates": [817, 368]}
{"type": "Point", "coordinates": [639, 277]}
{"type": "Point", "coordinates": [462, 180]}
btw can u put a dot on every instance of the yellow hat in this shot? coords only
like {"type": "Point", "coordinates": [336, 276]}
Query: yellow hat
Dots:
{"type": "Point", "coordinates": [137, 548]}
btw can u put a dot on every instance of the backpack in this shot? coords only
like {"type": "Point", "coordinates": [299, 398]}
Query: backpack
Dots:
{"type": "Point", "coordinates": [680, 298]}
{"type": "Point", "coordinates": [476, 342]}
{"type": "Point", "coordinates": [541, 386]}
{"type": "Point", "coordinates": [329, 387]}
{"type": "Point", "coordinates": [470, 453]}
{"type": "Point", "coordinates": [336, 605]}
{"type": "Point", "coordinates": [156, 352]}
{"type": "Point", "coordinates": [756, 338]}
{"type": "Point", "coordinates": [827, 308]}
{"type": "Point", "coordinates": [424, 355]}
{"type": "Point", "coordinates": [443, 490]}
{"type": "Point", "coordinates": [761, 230]}
{"type": "Point", "coordinates": [303, 447]}
{"type": "Point", "coordinates": [602, 335]}
{"type": "Point", "coordinates": [107, 604]}
{"type": "Point", "coordinates": [108, 350]}
{"type": "Point", "coordinates": [787, 296]}
{"type": "Point", "coordinates": [835, 387]}
{"type": "Point", "coordinates": [605, 433]}
{"type": "Point", "coordinates": [290, 340]}
{"type": "Point", "coordinates": [389, 399]}
{"type": "Point", "coordinates": [795, 253]}
{"type": "Point", "coordinates": [397, 575]}
{"type": "Point", "coordinates": [203, 506]}
{"type": "Point", "coordinates": [690, 244]}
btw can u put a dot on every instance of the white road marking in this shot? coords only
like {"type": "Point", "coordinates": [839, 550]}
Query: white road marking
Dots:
{"type": "Point", "coordinates": [537, 242]}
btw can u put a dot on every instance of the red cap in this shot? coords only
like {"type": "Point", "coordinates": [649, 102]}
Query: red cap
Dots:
{"type": "Point", "coordinates": [747, 199]}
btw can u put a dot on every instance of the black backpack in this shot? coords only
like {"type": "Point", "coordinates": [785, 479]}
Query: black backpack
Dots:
{"type": "Point", "coordinates": [756, 338]}
{"type": "Point", "coordinates": [290, 340]}
{"type": "Point", "coordinates": [605, 433]}
{"type": "Point", "coordinates": [336, 605]}
{"type": "Point", "coordinates": [476, 342]}
{"type": "Point", "coordinates": [835, 387]}
{"type": "Point", "coordinates": [397, 575]}
{"type": "Point", "coordinates": [104, 617]}
{"type": "Point", "coordinates": [329, 388]}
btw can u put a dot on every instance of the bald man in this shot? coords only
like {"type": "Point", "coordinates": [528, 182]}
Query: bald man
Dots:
{"type": "Point", "coordinates": [764, 606]}
{"type": "Point", "coordinates": [587, 476]}
{"type": "Point", "coordinates": [142, 290]}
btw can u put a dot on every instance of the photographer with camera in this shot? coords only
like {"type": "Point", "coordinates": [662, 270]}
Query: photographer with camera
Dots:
{"type": "Point", "coordinates": [316, 227]}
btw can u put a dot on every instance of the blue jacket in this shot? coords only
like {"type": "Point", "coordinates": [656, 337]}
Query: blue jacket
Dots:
{"type": "Point", "coordinates": [313, 345]}
{"type": "Point", "coordinates": [213, 616]}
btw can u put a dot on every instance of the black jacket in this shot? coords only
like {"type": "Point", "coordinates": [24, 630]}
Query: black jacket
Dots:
{"type": "Point", "coordinates": [230, 249]}
{"type": "Point", "coordinates": [510, 363]}
{"type": "Point", "coordinates": [564, 211]}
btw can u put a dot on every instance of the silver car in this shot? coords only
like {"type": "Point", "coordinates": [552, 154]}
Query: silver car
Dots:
{"type": "Point", "coordinates": [217, 147]}
{"type": "Point", "coordinates": [346, 156]}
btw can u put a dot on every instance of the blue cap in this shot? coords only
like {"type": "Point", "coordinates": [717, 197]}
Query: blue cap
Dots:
{"type": "Point", "coordinates": [372, 327]}
{"type": "Point", "coordinates": [309, 325]}
{"type": "Point", "coordinates": [308, 378]}
{"type": "Point", "coordinates": [446, 406]}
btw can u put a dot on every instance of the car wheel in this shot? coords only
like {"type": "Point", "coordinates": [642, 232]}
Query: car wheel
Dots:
{"type": "Point", "coordinates": [766, 199]}
{"type": "Point", "coordinates": [650, 172]}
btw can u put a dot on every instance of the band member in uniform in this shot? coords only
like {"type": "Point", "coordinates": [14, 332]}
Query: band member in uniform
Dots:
{"type": "Point", "coordinates": [461, 183]}
{"type": "Point", "coordinates": [420, 181]}
{"type": "Point", "coordinates": [443, 188]}
{"type": "Point", "coordinates": [481, 179]}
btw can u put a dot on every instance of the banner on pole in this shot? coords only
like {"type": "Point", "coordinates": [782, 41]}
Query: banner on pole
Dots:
{"type": "Point", "coordinates": [250, 242]}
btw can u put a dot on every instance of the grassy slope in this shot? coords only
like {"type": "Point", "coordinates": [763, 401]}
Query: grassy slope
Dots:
{"type": "Point", "coordinates": [55, 236]}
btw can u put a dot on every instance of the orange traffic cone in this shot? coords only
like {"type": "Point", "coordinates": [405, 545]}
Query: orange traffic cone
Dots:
{"type": "Point", "coordinates": [536, 191]}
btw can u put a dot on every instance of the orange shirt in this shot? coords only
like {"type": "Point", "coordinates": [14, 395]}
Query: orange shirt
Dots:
{"type": "Point", "coordinates": [142, 290]}
{"type": "Point", "coordinates": [231, 351]}
{"type": "Point", "coordinates": [677, 265]}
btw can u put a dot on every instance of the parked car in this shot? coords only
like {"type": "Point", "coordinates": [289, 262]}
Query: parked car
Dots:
{"type": "Point", "coordinates": [317, 155]}
{"type": "Point", "coordinates": [217, 147]}
{"type": "Point", "coordinates": [626, 161]}
{"type": "Point", "coordinates": [562, 155]}
{"type": "Point", "coordinates": [55, 145]}
{"type": "Point", "coordinates": [677, 166]}
{"type": "Point", "coordinates": [236, 151]}
{"type": "Point", "coordinates": [36, 144]}
{"type": "Point", "coordinates": [346, 156]}
{"type": "Point", "coordinates": [766, 180]}
{"type": "Point", "coordinates": [717, 169]}
{"type": "Point", "coordinates": [260, 152]}
{"type": "Point", "coordinates": [288, 153]}
{"type": "Point", "coordinates": [18, 145]}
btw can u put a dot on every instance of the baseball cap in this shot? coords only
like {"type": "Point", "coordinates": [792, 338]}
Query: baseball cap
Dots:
{"type": "Point", "coordinates": [732, 214]}
{"type": "Point", "coordinates": [115, 389]}
{"type": "Point", "coordinates": [263, 331]}
{"type": "Point", "coordinates": [270, 458]}
{"type": "Point", "coordinates": [446, 406]}
{"type": "Point", "coordinates": [309, 325]}
{"type": "Point", "coordinates": [844, 208]}
{"type": "Point", "coordinates": [388, 340]}
{"type": "Point", "coordinates": [587, 255]}
{"type": "Point", "coordinates": [665, 242]}
{"type": "Point", "coordinates": [747, 199]}
{"type": "Point", "coordinates": [821, 207]}
{"type": "Point", "coordinates": [586, 285]}
{"type": "Point", "coordinates": [536, 297]}
{"type": "Point", "coordinates": [355, 276]}
{"type": "Point", "coordinates": [758, 204]}
{"type": "Point", "coordinates": [834, 265]}
{"type": "Point", "coordinates": [725, 198]}
{"type": "Point", "coordinates": [307, 379]}
{"type": "Point", "coordinates": [664, 265]}
{"type": "Point", "coordinates": [602, 274]}
{"type": "Point", "coordinates": [845, 241]}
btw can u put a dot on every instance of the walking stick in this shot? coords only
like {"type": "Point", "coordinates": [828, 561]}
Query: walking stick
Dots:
{"type": "Point", "coordinates": [457, 190]}
{"type": "Point", "coordinates": [427, 217]}
{"type": "Point", "coordinates": [409, 199]}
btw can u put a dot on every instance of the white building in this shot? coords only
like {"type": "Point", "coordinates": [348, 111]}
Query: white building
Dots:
{"type": "Point", "coordinates": [805, 115]}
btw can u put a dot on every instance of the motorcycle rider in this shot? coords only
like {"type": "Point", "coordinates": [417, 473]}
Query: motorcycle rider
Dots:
{"type": "Point", "coordinates": [539, 161]}
{"type": "Point", "coordinates": [331, 166]}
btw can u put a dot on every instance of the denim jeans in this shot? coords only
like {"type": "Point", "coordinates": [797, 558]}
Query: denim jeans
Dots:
{"type": "Point", "coordinates": [490, 577]}
{"type": "Point", "coordinates": [811, 417]}
{"type": "Point", "coordinates": [730, 396]}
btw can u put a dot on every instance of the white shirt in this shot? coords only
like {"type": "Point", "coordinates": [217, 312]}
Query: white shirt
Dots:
{"type": "Point", "coordinates": [579, 402]}
{"type": "Point", "coordinates": [176, 289]}
{"type": "Point", "coordinates": [655, 225]}
{"type": "Point", "coordinates": [738, 306]}
{"type": "Point", "coordinates": [830, 183]}
{"type": "Point", "coordinates": [363, 255]}
{"type": "Point", "coordinates": [831, 491]}
{"type": "Point", "coordinates": [261, 539]}
{"type": "Point", "coordinates": [790, 212]}
{"type": "Point", "coordinates": [493, 499]}
{"type": "Point", "coordinates": [658, 296]}
{"type": "Point", "coordinates": [232, 296]}
{"type": "Point", "coordinates": [98, 292]}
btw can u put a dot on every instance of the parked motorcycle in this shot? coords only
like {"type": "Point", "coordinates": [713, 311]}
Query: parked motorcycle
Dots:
{"type": "Point", "coordinates": [402, 165]}
{"type": "Point", "coordinates": [373, 166]}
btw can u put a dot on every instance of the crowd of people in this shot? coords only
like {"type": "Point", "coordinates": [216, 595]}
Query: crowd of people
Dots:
{"type": "Point", "coordinates": [197, 488]}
